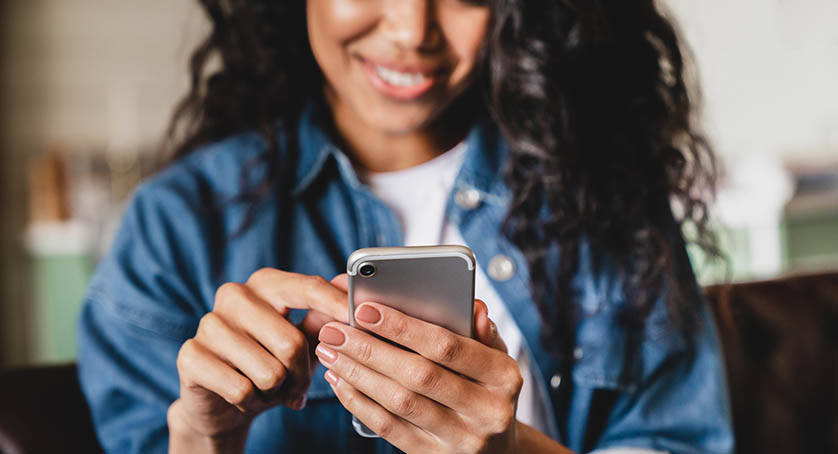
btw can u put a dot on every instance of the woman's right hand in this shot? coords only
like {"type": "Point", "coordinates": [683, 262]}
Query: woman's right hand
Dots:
{"type": "Point", "coordinates": [247, 356]}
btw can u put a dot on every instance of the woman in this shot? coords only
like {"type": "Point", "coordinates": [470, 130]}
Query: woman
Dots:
{"type": "Point", "coordinates": [548, 136]}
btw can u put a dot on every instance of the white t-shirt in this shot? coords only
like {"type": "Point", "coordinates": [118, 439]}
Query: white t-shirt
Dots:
{"type": "Point", "coordinates": [418, 195]}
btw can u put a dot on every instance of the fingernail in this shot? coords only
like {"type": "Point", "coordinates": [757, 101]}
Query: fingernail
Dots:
{"type": "Point", "coordinates": [326, 353]}
{"type": "Point", "coordinates": [300, 403]}
{"type": "Point", "coordinates": [332, 336]}
{"type": "Point", "coordinates": [368, 314]}
{"type": "Point", "coordinates": [331, 377]}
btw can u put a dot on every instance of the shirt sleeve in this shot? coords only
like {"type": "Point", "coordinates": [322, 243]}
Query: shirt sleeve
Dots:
{"type": "Point", "coordinates": [140, 307]}
{"type": "Point", "coordinates": [680, 406]}
{"type": "Point", "coordinates": [661, 388]}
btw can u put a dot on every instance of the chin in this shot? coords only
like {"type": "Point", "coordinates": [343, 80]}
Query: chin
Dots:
{"type": "Point", "coordinates": [398, 121]}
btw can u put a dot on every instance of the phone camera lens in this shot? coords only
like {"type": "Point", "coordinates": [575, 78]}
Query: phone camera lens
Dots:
{"type": "Point", "coordinates": [367, 270]}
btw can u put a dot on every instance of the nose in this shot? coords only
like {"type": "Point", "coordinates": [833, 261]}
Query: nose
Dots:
{"type": "Point", "coordinates": [410, 24]}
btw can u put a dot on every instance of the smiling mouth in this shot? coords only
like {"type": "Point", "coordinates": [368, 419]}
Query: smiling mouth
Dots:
{"type": "Point", "coordinates": [401, 82]}
{"type": "Point", "coordinates": [397, 78]}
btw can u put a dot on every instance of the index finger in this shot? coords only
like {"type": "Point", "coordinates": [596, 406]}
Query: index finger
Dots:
{"type": "Point", "coordinates": [285, 290]}
{"type": "Point", "coordinates": [461, 354]}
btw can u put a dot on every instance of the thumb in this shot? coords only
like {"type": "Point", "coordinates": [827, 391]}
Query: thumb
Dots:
{"type": "Point", "coordinates": [485, 329]}
{"type": "Point", "coordinates": [341, 281]}
{"type": "Point", "coordinates": [315, 320]}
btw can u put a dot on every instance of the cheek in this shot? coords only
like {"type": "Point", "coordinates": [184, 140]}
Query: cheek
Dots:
{"type": "Point", "coordinates": [465, 34]}
{"type": "Point", "coordinates": [331, 25]}
{"type": "Point", "coordinates": [341, 19]}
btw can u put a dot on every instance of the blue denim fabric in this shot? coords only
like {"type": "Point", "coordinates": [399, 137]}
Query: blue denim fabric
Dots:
{"type": "Point", "coordinates": [652, 388]}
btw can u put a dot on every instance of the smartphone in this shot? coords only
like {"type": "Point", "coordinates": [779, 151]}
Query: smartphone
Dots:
{"type": "Point", "coordinates": [431, 283]}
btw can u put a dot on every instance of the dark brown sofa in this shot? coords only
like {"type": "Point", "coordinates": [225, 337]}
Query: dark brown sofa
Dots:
{"type": "Point", "coordinates": [42, 410]}
{"type": "Point", "coordinates": [781, 349]}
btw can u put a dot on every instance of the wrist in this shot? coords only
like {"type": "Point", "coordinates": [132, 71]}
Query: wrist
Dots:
{"type": "Point", "coordinates": [185, 438]}
{"type": "Point", "coordinates": [528, 439]}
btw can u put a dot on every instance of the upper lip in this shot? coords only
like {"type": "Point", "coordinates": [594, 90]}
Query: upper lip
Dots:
{"type": "Point", "coordinates": [409, 68]}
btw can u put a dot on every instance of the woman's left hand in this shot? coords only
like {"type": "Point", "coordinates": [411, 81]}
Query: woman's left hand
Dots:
{"type": "Point", "coordinates": [454, 394]}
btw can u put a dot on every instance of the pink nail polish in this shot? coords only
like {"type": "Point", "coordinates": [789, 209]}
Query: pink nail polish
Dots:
{"type": "Point", "coordinates": [331, 377]}
{"type": "Point", "coordinates": [326, 353]}
{"type": "Point", "coordinates": [368, 314]}
{"type": "Point", "coordinates": [332, 336]}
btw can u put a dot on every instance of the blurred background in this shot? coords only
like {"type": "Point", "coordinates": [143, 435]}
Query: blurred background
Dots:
{"type": "Point", "coordinates": [87, 88]}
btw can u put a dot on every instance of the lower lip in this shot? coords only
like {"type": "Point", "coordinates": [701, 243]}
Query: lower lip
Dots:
{"type": "Point", "coordinates": [400, 93]}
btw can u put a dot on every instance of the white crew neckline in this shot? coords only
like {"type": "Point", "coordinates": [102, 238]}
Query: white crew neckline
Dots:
{"type": "Point", "coordinates": [445, 160]}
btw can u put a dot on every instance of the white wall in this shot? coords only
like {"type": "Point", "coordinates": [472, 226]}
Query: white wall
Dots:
{"type": "Point", "coordinates": [769, 70]}
{"type": "Point", "coordinates": [70, 65]}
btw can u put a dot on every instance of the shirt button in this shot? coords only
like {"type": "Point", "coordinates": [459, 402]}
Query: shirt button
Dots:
{"type": "Point", "coordinates": [501, 268]}
{"type": "Point", "coordinates": [467, 198]}
{"type": "Point", "coordinates": [555, 381]}
{"type": "Point", "coordinates": [578, 353]}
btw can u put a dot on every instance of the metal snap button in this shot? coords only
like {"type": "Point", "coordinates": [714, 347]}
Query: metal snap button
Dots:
{"type": "Point", "coordinates": [501, 268]}
{"type": "Point", "coordinates": [467, 198]}
{"type": "Point", "coordinates": [555, 381]}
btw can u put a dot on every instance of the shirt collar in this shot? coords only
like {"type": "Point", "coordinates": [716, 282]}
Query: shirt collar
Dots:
{"type": "Point", "coordinates": [315, 147]}
{"type": "Point", "coordinates": [482, 169]}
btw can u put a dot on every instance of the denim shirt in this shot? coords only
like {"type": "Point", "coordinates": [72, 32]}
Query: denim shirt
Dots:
{"type": "Point", "coordinates": [652, 389]}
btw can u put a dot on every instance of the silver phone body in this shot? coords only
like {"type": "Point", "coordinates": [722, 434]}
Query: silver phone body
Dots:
{"type": "Point", "coordinates": [431, 283]}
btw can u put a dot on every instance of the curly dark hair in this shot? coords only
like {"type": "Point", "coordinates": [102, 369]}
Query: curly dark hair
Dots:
{"type": "Point", "coordinates": [590, 96]}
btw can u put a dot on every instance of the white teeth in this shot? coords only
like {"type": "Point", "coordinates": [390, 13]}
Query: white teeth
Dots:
{"type": "Point", "coordinates": [399, 78]}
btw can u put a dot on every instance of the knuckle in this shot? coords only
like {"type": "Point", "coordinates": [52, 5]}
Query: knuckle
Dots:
{"type": "Point", "coordinates": [425, 377]}
{"type": "Point", "coordinates": [364, 352]}
{"type": "Point", "coordinates": [474, 443]}
{"type": "Point", "coordinates": [261, 275]}
{"type": "Point", "coordinates": [383, 426]}
{"type": "Point", "coordinates": [296, 339]}
{"type": "Point", "coordinates": [398, 327]}
{"type": "Point", "coordinates": [314, 283]}
{"type": "Point", "coordinates": [228, 292]}
{"type": "Point", "coordinates": [504, 420]}
{"type": "Point", "coordinates": [240, 391]}
{"type": "Point", "coordinates": [210, 324]}
{"type": "Point", "coordinates": [448, 349]}
{"type": "Point", "coordinates": [405, 403]}
{"type": "Point", "coordinates": [186, 354]}
{"type": "Point", "coordinates": [348, 399]}
{"type": "Point", "coordinates": [290, 345]}
{"type": "Point", "coordinates": [282, 344]}
{"type": "Point", "coordinates": [353, 373]}
{"type": "Point", "coordinates": [513, 380]}
{"type": "Point", "coordinates": [502, 416]}
{"type": "Point", "coordinates": [272, 376]}
{"type": "Point", "coordinates": [297, 346]}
